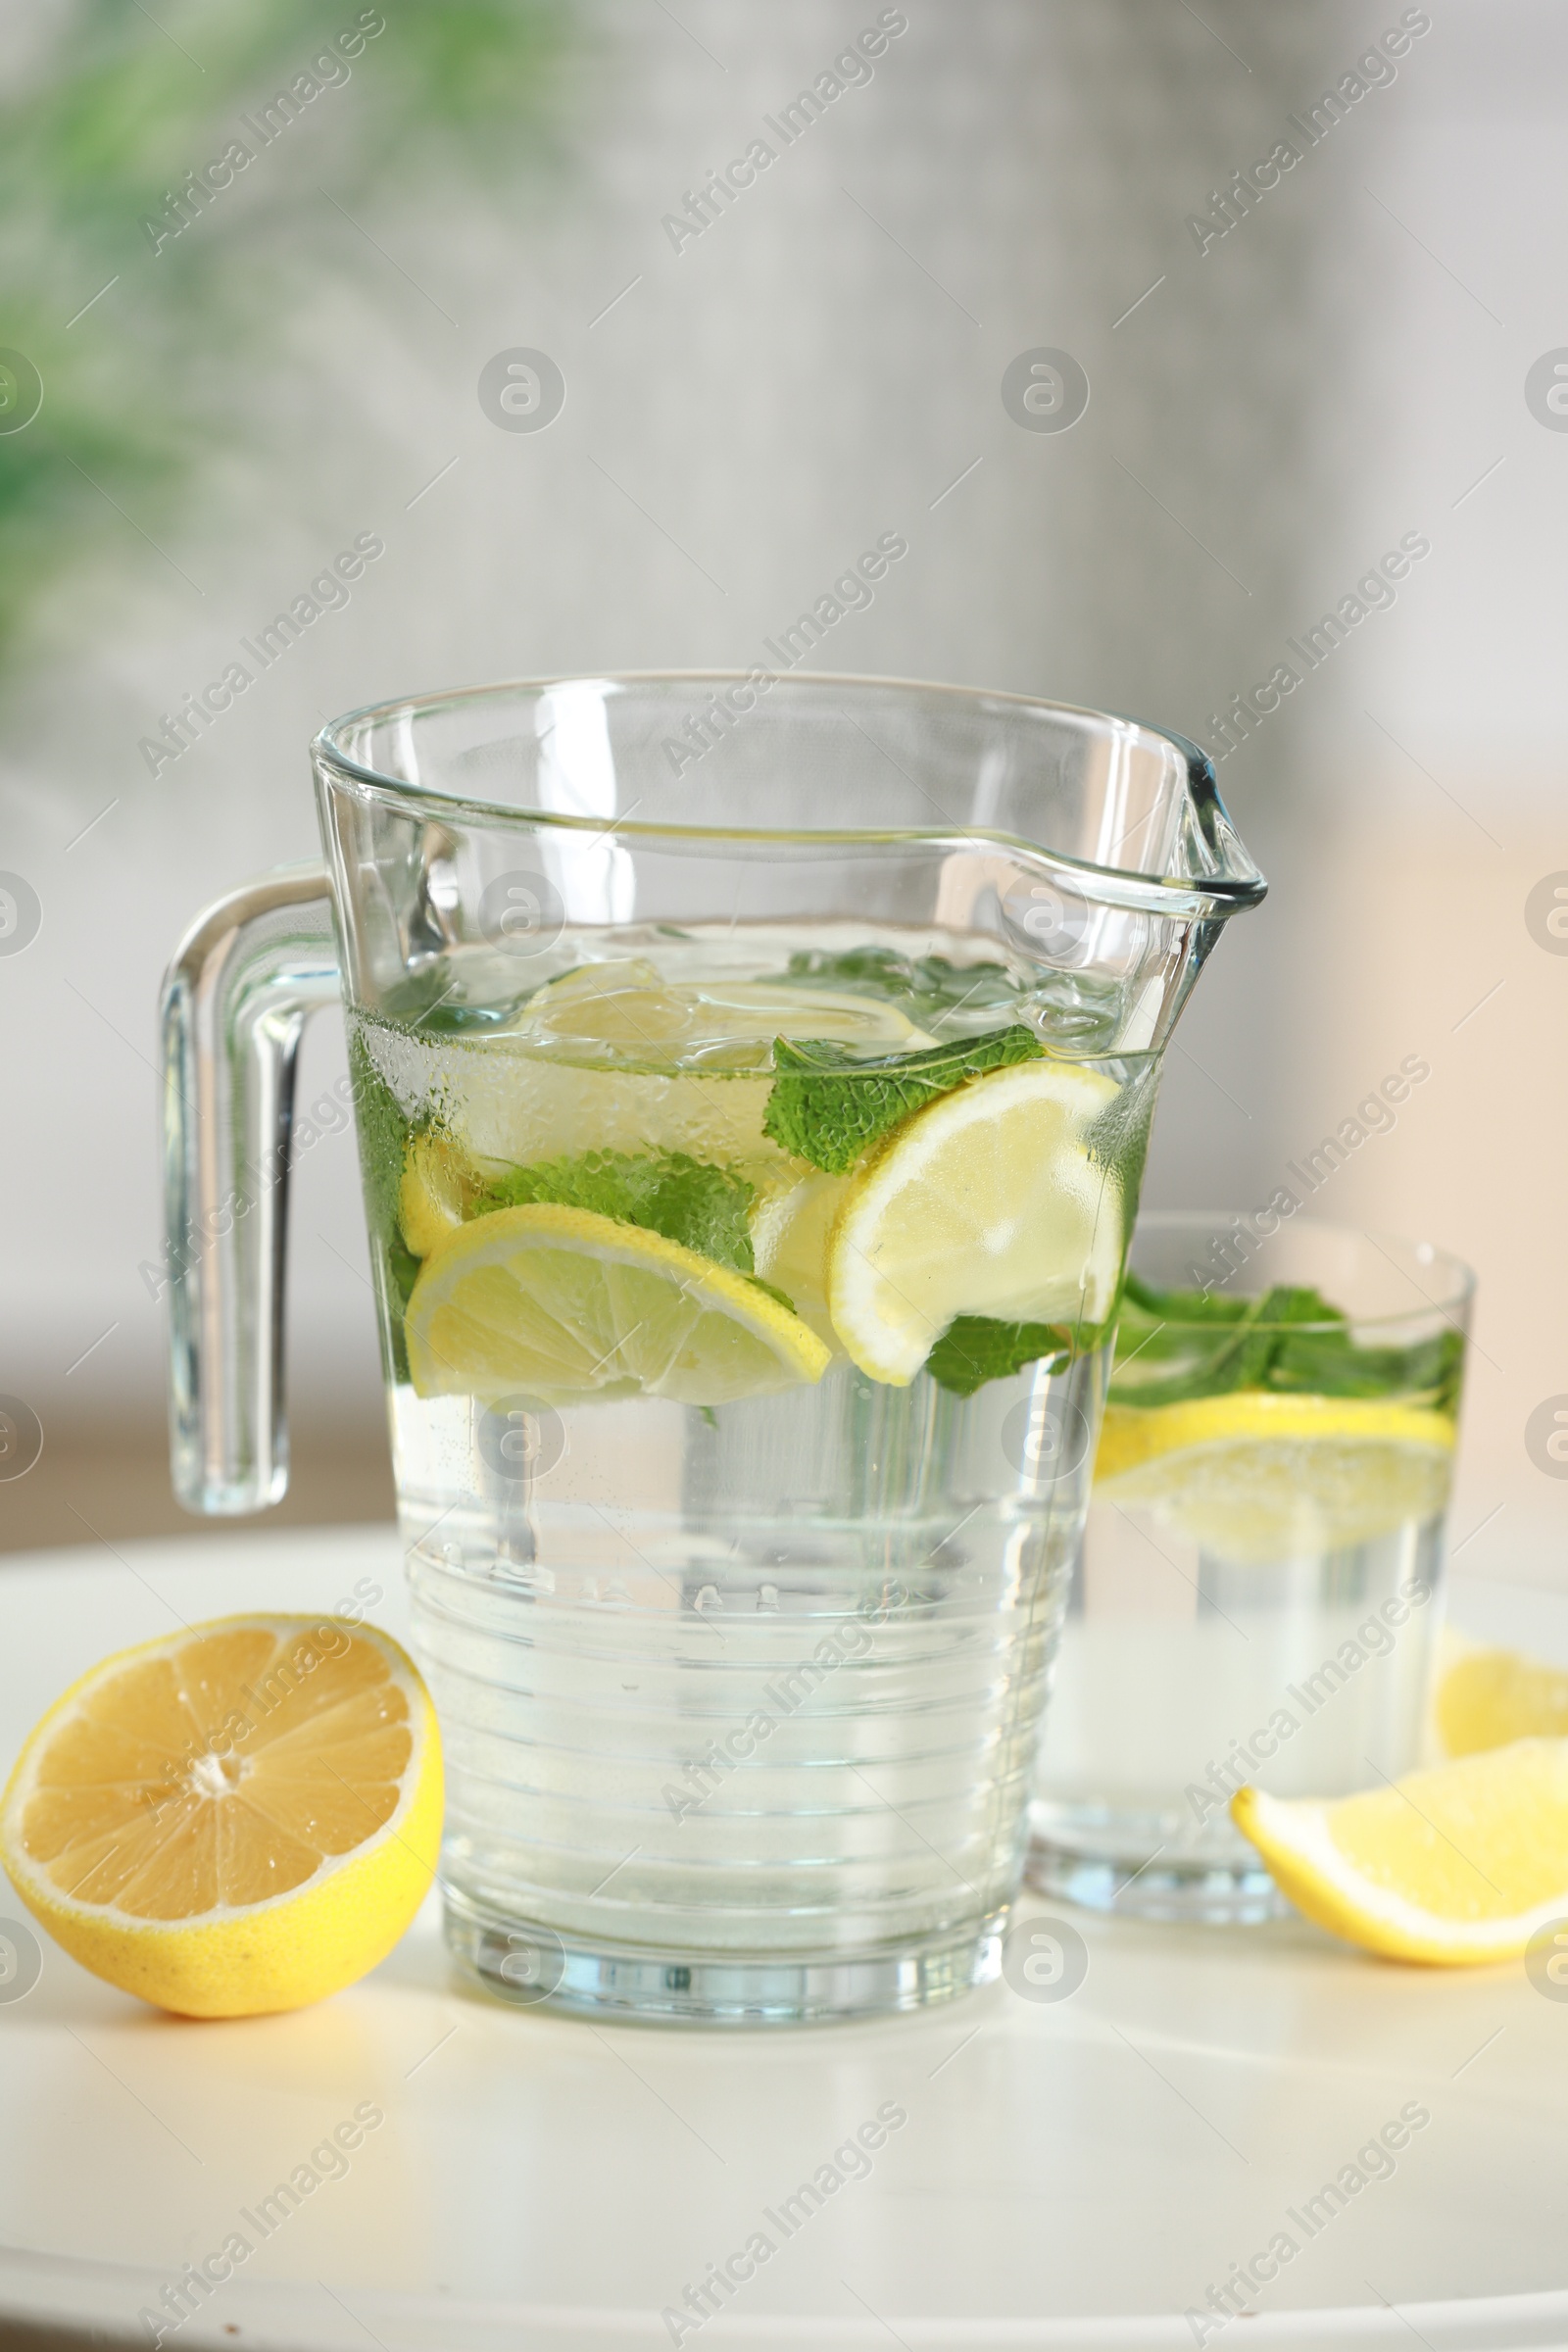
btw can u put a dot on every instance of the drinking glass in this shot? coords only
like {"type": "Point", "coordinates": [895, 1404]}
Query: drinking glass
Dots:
{"type": "Point", "coordinates": [1258, 1591]}
{"type": "Point", "coordinates": [751, 1077]}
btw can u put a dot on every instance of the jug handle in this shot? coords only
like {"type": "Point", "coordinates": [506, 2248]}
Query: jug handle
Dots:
{"type": "Point", "coordinates": [243, 983]}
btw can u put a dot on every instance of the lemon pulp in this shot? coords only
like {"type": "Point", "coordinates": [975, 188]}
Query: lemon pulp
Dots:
{"type": "Point", "coordinates": [242, 1817]}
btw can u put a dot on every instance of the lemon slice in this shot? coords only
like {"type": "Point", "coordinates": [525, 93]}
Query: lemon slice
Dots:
{"type": "Point", "coordinates": [435, 1187]}
{"type": "Point", "coordinates": [1456, 1865]}
{"type": "Point", "coordinates": [1487, 1697]}
{"type": "Point", "coordinates": [1256, 1476]}
{"type": "Point", "coordinates": [242, 1817]}
{"type": "Point", "coordinates": [985, 1202]}
{"type": "Point", "coordinates": [562, 1303]}
{"type": "Point", "coordinates": [792, 1227]}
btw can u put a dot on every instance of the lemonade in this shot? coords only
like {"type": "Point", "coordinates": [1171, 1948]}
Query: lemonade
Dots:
{"type": "Point", "coordinates": [1257, 1595]}
{"type": "Point", "coordinates": [747, 1292]}
{"type": "Point", "coordinates": [752, 1077]}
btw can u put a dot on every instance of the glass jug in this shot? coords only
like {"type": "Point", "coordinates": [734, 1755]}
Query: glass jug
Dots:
{"type": "Point", "coordinates": [752, 1078]}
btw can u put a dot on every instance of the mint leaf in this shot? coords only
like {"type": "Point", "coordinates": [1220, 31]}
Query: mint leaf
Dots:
{"type": "Point", "coordinates": [383, 1133]}
{"type": "Point", "coordinates": [929, 985]}
{"type": "Point", "coordinates": [688, 1200]}
{"type": "Point", "coordinates": [401, 1273]}
{"type": "Point", "coordinates": [1181, 1344]}
{"type": "Point", "coordinates": [975, 1349]}
{"type": "Point", "coordinates": [828, 1106]}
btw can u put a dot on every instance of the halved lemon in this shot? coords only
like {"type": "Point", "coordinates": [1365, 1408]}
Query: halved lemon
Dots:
{"type": "Point", "coordinates": [985, 1202]}
{"type": "Point", "coordinates": [1487, 1697]}
{"type": "Point", "coordinates": [1458, 1865]}
{"type": "Point", "coordinates": [239, 1818]}
{"type": "Point", "coordinates": [1256, 1476]}
{"type": "Point", "coordinates": [561, 1303]}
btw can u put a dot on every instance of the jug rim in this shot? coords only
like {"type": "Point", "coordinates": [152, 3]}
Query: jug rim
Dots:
{"type": "Point", "coordinates": [1223, 880]}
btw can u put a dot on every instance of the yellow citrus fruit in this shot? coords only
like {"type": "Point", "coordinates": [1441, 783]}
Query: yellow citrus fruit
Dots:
{"type": "Point", "coordinates": [1256, 1476]}
{"type": "Point", "coordinates": [239, 1818]}
{"type": "Point", "coordinates": [792, 1227]}
{"type": "Point", "coordinates": [1487, 1697]}
{"type": "Point", "coordinates": [985, 1202]}
{"type": "Point", "coordinates": [1458, 1865]}
{"type": "Point", "coordinates": [434, 1192]}
{"type": "Point", "coordinates": [561, 1303]}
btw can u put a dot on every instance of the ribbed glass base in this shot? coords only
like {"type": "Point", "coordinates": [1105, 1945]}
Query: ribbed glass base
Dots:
{"type": "Point", "coordinates": [1207, 1895]}
{"type": "Point", "coordinates": [531, 1966]}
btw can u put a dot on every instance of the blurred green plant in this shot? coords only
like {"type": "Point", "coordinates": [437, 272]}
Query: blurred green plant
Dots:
{"type": "Point", "coordinates": [99, 135]}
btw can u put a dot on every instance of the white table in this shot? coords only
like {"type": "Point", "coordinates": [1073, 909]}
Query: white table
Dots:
{"type": "Point", "coordinates": [1070, 2174]}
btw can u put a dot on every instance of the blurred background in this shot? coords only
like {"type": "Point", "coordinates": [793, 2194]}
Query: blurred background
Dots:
{"type": "Point", "coordinates": [210, 385]}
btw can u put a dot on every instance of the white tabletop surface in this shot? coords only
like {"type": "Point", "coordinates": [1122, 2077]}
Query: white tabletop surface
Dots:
{"type": "Point", "coordinates": [1071, 2173]}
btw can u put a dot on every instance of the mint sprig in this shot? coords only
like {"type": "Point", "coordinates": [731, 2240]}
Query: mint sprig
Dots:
{"type": "Point", "coordinates": [829, 1105]}
{"type": "Point", "coordinates": [1174, 1345]}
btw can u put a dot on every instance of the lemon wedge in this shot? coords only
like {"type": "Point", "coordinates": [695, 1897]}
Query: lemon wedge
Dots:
{"type": "Point", "coordinates": [1487, 1697]}
{"type": "Point", "coordinates": [561, 1303]}
{"type": "Point", "coordinates": [242, 1817]}
{"type": "Point", "coordinates": [1255, 1476]}
{"type": "Point", "coordinates": [985, 1202]}
{"type": "Point", "coordinates": [1458, 1865]}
